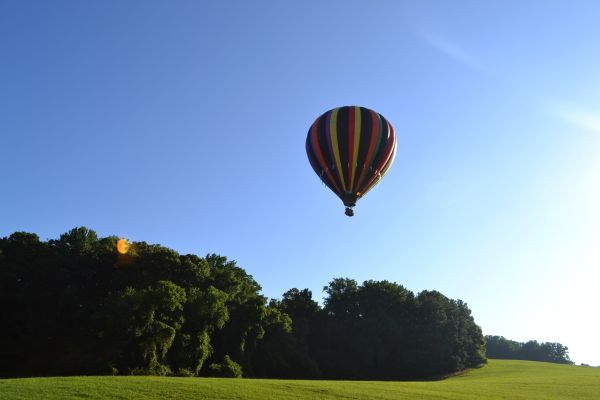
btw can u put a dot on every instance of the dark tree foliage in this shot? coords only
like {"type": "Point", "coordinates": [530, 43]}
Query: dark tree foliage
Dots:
{"type": "Point", "coordinates": [499, 347]}
{"type": "Point", "coordinates": [227, 369]}
{"type": "Point", "coordinates": [76, 306]}
{"type": "Point", "coordinates": [381, 330]}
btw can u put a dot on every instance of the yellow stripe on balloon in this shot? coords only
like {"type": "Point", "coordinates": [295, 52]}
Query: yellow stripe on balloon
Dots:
{"type": "Point", "coordinates": [335, 145]}
{"type": "Point", "coordinates": [357, 124]}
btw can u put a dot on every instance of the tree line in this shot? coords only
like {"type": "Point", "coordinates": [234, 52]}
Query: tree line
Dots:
{"type": "Point", "coordinates": [502, 348]}
{"type": "Point", "coordinates": [75, 305]}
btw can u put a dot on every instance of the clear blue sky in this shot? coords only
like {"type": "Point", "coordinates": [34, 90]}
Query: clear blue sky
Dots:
{"type": "Point", "coordinates": [183, 123]}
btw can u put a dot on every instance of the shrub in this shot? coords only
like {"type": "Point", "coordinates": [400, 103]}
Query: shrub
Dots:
{"type": "Point", "coordinates": [227, 369]}
{"type": "Point", "coordinates": [184, 372]}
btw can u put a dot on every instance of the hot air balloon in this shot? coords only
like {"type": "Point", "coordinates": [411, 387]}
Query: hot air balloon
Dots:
{"type": "Point", "coordinates": [351, 148]}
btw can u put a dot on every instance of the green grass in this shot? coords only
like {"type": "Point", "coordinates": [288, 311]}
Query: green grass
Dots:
{"type": "Point", "coordinates": [500, 379]}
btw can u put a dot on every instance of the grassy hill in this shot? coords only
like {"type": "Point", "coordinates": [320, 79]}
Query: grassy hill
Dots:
{"type": "Point", "coordinates": [500, 379]}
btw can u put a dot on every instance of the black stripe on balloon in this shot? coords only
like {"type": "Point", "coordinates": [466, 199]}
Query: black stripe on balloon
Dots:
{"type": "Point", "coordinates": [310, 145]}
{"type": "Point", "coordinates": [312, 158]}
{"type": "Point", "coordinates": [322, 138]}
{"type": "Point", "coordinates": [323, 134]}
{"type": "Point", "coordinates": [317, 167]}
{"type": "Point", "coordinates": [380, 160]}
{"type": "Point", "coordinates": [343, 133]}
{"type": "Point", "coordinates": [385, 167]}
{"type": "Point", "coordinates": [366, 127]}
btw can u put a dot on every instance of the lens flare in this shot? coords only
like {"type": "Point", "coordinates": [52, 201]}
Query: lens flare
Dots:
{"type": "Point", "coordinates": [122, 246]}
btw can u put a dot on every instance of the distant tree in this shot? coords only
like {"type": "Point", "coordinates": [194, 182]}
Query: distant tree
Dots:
{"type": "Point", "coordinates": [501, 348]}
{"type": "Point", "coordinates": [556, 353]}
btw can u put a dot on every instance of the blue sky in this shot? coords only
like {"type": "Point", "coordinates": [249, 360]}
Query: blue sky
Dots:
{"type": "Point", "coordinates": [183, 123]}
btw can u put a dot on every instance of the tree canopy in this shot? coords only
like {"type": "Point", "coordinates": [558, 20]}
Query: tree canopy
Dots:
{"type": "Point", "coordinates": [75, 305]}
{"type": "Point", "coordinates": [502, 348]}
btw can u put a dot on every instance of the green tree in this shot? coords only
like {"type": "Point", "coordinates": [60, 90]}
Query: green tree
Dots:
{"type": "Point", "coordinates": [75, 305]}
{"type": "Point", "coordinates": [137, 327]}
{"type": "Point", "coordinates": [205, 312]}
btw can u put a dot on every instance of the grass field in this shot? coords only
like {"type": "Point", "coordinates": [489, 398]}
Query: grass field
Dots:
{"type": "Point", "coordinates": [500, 379]}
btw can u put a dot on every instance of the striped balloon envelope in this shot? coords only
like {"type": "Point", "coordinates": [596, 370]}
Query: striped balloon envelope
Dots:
{"type": "Point", "coordinates": [351, 148]}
